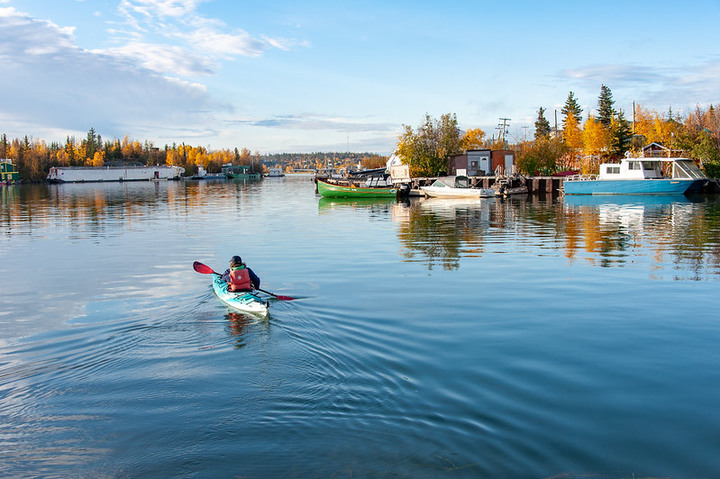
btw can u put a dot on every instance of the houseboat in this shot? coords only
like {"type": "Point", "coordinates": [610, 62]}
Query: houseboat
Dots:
{"type": "Point", "coordinates": [239, 172]}
{"type": "Point", "coordinates": [640, 176]}
{"type": "Point", "coordinates": [275, 173]}
{"type": "Point", "coordinates": [8, 175]}
{"type": "Point", "coordinates": [88, 174]}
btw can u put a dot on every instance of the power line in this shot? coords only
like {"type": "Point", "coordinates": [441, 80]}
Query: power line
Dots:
{"type": "Point", "coordinates": [503, 127]}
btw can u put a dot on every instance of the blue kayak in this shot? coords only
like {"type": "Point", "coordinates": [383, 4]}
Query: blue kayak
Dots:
{"type": "Point", "coordinates": [247, 302]}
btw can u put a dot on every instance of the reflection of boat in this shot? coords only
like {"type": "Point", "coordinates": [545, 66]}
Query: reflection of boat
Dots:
{"type": "Point", "coordinates": [623, 200]}
{"type": "Point", "coordinates": [452, 207]}
{"type": "Point", "coordinates": [640, 176]}
{"type": "Point", "coordinates": [246, 302]}
{"type": "Point", "coordinates": [455, 187]}
{"type": "Point", "coordinates": [337, 190]}
{"type": "Point", "coordinates": [327, 204]}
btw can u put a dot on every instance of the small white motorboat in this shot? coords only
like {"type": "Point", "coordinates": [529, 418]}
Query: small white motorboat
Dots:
{"type": "Point", "coordinates": [455, 187]}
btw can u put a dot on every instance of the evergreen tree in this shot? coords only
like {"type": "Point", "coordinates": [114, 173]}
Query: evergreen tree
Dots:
{"type": "Point", "coordinates": [606, 110]}
{"type": "Point", "coordinates": [542, 126]}
{"type": "Point", "coordinates": [621, 135]}
{"type": "Point", "coordinates": [572, 106]}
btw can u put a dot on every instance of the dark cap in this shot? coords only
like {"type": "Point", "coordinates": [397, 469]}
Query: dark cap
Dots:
{"type": "Point", "coordinates": [236, 260]}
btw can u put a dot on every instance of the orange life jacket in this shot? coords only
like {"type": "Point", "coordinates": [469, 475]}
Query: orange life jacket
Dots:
{"type": "Point", "coordinates": [240, 280]}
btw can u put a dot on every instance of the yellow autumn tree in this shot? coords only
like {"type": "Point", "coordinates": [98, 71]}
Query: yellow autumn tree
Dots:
{"type": "Point", "coordinates": [595, 137]}
{"type": "Point", "coordinates": [573, 136]}
{"type": "Point", "coordinates": [472, 139]}
{"type": "Point", "coordinates": [665, 130]}
{"type": "Point", "coordinates": [645, 123]}
{"type": "Point", "coordinates": [596, 144]}
{"type": "Point", "coordinates": [98, 158]}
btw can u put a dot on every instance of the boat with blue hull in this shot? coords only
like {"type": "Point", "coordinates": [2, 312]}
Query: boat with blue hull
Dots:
{"type": "Point", "coordinates": [640, 176]}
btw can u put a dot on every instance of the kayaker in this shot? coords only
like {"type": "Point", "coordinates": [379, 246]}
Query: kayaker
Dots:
{"type": "Point", "coordinates": [239, 277]}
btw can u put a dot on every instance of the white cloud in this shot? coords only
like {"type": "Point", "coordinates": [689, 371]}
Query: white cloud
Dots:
{"type": "Point", "coordinates": [178, 22]}
{"type": "Point", "coordinates": [160, 8]}
{"type": "Point", "coordinates": [658, 87]}
{"type": "Point", "coordinates": [218, 43]}
{"type": "Point", "coordinates": [162, 58]}
{"type": "Point", "coordinates": [50, 83]}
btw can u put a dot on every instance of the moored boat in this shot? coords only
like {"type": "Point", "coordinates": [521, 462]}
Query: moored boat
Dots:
{"type": "Point", "coordinates": [247, 302]}
{"type": "Point", "coordinates": [327, 189]}
{"type": "Point", "coordinates": [639, 176]}
{"type": "Point", "coordinates": [455, 187]}
{"type": "Point", "coordinates": [275, 173]}
{"type": "Point", "coordinates": [87, 174]}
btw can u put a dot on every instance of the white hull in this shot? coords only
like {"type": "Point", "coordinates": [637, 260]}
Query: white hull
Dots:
{"type": "Point", "coordinates": [113, 173]}
{"type": "Point", "coordinates": [450, 192]}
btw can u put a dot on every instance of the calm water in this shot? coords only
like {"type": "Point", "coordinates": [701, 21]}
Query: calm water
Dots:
{"type": "Point", "coordinates": [522, 339]}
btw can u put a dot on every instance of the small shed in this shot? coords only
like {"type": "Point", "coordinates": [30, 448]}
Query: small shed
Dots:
{"type": "Point", "coordinates": [471, 163]}
{"type": "Point", "coordinates": [503, 162]}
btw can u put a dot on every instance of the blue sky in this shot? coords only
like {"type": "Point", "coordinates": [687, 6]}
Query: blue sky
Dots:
{"type": "Point", "coordinates": [288, 76]}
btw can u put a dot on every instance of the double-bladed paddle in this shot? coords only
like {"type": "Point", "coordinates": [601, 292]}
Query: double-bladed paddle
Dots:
{"type": "Point", "coordinates": [205, 269]}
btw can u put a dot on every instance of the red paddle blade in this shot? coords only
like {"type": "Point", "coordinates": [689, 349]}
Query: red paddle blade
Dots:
{"type": "Point", "coordinates": [284, 298]}
{"type": "Point", "coordinates": [203, 269]}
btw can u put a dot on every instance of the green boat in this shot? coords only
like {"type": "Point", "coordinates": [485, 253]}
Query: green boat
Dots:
{"type": "Point", "coordinates": [330, 190]}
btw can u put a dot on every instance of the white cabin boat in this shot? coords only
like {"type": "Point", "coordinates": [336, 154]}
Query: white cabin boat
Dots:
{"type": "Point", "coordinates": [87, 174]}
{"type": "Point", "coordinates": [640, 176]}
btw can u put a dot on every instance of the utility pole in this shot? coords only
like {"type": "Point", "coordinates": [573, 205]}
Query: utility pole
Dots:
{"type": "Point", "coordinates": [503, 129]}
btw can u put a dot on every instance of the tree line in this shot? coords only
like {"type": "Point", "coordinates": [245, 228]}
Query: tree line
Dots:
{"type": "Point", "coordinates": [578, 145]}
{"type": "Point", "coordinates": [33, 158]}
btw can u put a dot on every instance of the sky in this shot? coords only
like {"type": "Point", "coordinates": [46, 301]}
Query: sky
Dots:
{"type": "Point", "coordinates": [289, 76]}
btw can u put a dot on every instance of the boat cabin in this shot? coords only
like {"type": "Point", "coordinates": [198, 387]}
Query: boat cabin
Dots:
{"type": "Point", "coordinates": [650, 168]}
{"type": "Point", "coordinates": [8, 175]}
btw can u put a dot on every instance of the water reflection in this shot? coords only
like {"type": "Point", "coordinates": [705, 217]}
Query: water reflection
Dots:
{"type": "Point", "coordinates": [671, 233]}
{"type": "Point", "coordinates": [94, 209]}
{"type": "Point", "coordinates": [440, 231]}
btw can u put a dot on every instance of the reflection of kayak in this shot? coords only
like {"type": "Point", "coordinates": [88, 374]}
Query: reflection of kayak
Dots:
{"type": "Point", "coordinates": [242, 301]}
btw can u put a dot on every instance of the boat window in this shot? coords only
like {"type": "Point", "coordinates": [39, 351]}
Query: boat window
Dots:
{"type": "Point", "coordinates": [634, 165]}
{"type": "Point", "coordinates": [688, 169]}
{"type": "Point", "coordinates": [613, 170]}
{"type": "Point", "coordinates": [648, 165]}
{"type": "Point", "coordinates": [462, 182]}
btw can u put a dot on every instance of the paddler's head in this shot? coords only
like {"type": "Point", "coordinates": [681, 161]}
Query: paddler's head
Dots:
{"type": "Point", "coordinates": [235, 261]}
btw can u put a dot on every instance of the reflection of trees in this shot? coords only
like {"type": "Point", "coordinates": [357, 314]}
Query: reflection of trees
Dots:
{"type": "Point", "coordinates": [441, 232]}
{"type": "Point", "coordinates": [604, 232]}
{"type": "Point", "coordinates": [687, 232]}
{"type": "Point", "coordinates": [94, 207]}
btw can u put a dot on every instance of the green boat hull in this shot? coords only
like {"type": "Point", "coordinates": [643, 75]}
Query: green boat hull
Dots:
{"type": "Point", "coordinates": [328, 190]}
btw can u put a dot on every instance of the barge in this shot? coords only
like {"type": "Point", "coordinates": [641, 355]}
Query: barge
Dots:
{"type": "Point", "coordinates": [88, 174]}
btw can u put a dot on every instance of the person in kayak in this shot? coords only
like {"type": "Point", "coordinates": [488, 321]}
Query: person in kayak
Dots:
{"type": "Point", "coordinates": [239, 277]}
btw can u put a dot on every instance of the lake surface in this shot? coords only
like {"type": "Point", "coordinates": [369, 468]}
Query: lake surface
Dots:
{"type": "Point", "coordinates": [538, 338]}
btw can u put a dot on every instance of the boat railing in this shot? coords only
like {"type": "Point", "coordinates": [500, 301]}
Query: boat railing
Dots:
{"type": "Point", "coordinates": [581, 178]}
